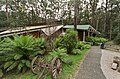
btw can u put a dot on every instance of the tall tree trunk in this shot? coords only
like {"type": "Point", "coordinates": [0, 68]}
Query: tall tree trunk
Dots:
{"type": "Point", "coordinates": [7, 9]}
{"type": "Point", "coordinates": [75, 14]}
{"type": "Point", "coordinates": [111, 30]}
{"type": "Point", "coordinates": [93, 5]}
{"type": "Point", "coordinates": [106, 18]}
{"type": "Point", "coordinates": [97, 24]}
{"type": "Point", "coordinates": [111, 24]}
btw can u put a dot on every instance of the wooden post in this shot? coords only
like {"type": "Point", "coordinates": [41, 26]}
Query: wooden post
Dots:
{"type": "Point", "coordinates": [88, 34]}
{"type": "Point", "coordinates": [83, 36]}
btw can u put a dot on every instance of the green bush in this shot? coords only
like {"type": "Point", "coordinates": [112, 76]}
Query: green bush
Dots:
{"type": "Point", "coordinates": [83, 45]}
{"type": "Point", "coordinates": [96, 40]}
{"type": "Point", "coordinates": [59, 42]}
{"type": "Point", "coordinates": [76, 51]}
{"type": "Point", "coordinates": [80, 45]}
{"type": "Point", "coordinates": [87, 46]}
{"type": "Point", "coordinates": [117, 39]}
{"type": "Point", "coordinates": [19, 51]}
{"type": "Point", "coordinates": [68, 41]}
{"type": "Point", "coordinates": [60, 53]}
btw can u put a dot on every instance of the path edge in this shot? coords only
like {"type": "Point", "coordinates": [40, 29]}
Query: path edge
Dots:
{"type": "Point", "coordinates": [81, 62]}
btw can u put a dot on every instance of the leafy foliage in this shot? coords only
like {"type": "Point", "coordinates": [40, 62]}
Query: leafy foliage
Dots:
{"type": "Point", "coordinates": [1, 73]}
{"type": "Point", "coordinates": [60, 53]}
{"type": "Point", "coordinates": [76, 51]}
{"type": "Point", "coordinates": [68, 41]}
{"type": "Point", "coordinates": [18, 52]}
{"type": "Point", "coordinates": [96, 40]}
{"type": "Point", "coordinates": [3, 20]}
{"type": "Point", "coordinates": [83, 45]}
{"type": "Point", "coordinates": [59, 42]}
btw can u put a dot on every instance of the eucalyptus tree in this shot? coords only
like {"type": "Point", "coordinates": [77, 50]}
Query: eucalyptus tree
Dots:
{"type": "Point", "coordinates": [69, 12]}
{"type": "Point", "coordinates": [115, 17]}
{"type": "Point", "coordinates": [4, 22]}
{"type": "Point", "coordinates": [93, 4]}
{"type": "Point", "coordinates": [7, 9]}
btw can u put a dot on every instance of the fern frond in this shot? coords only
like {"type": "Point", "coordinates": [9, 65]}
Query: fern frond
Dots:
{"type": "Point", "coordinates": [7, 64]}
{"type": "Point", "coordinates": [12, 66]}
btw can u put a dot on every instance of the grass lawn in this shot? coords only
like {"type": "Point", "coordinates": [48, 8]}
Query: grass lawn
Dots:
{"type": "Point", "coordinates": [67, 72]}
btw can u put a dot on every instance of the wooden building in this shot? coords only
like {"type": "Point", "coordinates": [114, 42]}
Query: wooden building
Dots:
{"type": "Point", "coordinates": [36, 31]}
{"type": "Point", "coordinates": [83, 31]}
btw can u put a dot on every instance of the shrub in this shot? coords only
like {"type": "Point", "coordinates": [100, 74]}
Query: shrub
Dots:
{"type": "Point", "coordinates": [96, 40]}
{"type": "Point", "coordinates": [117, 39]}
{"type": "Point", "coordinates": [80, 45]}
{"type": "Point", "coordinates": [59, 42]}
{"type": "Point", "coordinates": [76, 51]}
{"type": "Point", "coordinates": [83, 45]}
{"type": "Point", "coordinates": [60, 53]}
{"type": "Point", "coordinates": [18, 52]}
{"type": "Point", "coordinates": [87, 46]}
{"type": "Point", "coordinates": [100, 35]}
{"type": "Point", "coordinates": [68, 41]}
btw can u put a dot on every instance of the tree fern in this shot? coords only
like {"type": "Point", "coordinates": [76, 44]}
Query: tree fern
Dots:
{"type": "Point", "coordinates": [7, 64]}
{"type": "Point", "coordinates": [17, 52]}
{"type": "Point", "coordinates": [12, 66]}
{"type": "Point", "coordinates": [60, 53]}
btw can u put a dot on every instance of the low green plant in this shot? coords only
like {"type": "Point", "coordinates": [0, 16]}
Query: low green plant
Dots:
{"type": "Point", "coordinates": [83, 45]}
{"type": "Point", "coordinates": [96, 40]}
{"type": "Point", "coordinates": [79, 45]}
{"type": "Point", "coordinates": [76, 51]}
{"type": "Point", "coordinates": [19, 51]}
{"type": "Point", "coordinates": [68, 69]}
{"type": "Point", "coordinates": [59, 42]}
{"type": "Point", "coordinates": [60, 53]}
{"type": "Point", "coordinates": [87, 46]}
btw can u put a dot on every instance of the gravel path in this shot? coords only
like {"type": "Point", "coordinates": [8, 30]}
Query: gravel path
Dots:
{"type": "Point", "coordinates": [91, 68]}
{"type": "Point", "coordinates": [106, 61]}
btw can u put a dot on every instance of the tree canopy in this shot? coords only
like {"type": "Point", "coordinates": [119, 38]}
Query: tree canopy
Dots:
{"type": "Point", "coordinates": [103, 15]}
